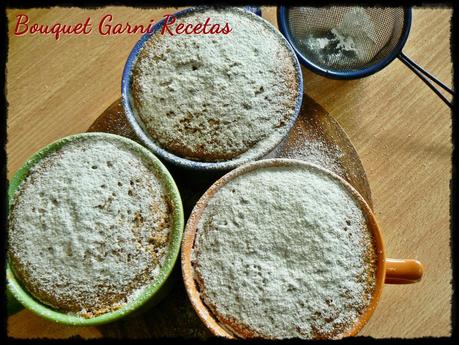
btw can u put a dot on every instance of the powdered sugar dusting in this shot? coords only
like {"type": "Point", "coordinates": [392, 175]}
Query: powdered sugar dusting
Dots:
{"type": "Point", "coordinates": [313, 150]}
{"type": "Point", "coordinates": [216, 97]}
{"type": "Point", "coordinates": [352, 43]}
{"type": "Point", "coordinates": [284, 252]}
{"type": "Point", "coordinates": [89, 227]}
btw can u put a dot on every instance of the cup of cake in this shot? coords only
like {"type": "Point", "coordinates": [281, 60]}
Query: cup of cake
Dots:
{"type": "Point", "coordinates": [95, 225]}
{"type": "Point", "coordinates": [282, 248]}
{"type": "Point", "coordinates": [212, 101]}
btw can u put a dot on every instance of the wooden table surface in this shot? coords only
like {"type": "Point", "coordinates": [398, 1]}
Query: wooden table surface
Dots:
{"type": "Point", "coordinates": [400, 129]}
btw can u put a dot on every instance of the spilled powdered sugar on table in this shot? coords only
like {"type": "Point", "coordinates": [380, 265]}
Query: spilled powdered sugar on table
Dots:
{"type": "Point", "coordinates": [316, 151]}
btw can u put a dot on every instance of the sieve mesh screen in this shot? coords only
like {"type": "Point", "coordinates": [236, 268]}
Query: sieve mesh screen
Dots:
{"type": "Point", "coordinates": [345, 39]}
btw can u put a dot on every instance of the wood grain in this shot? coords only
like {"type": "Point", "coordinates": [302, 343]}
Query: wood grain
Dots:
{"type": "Point", "coordinates": [400, 129]}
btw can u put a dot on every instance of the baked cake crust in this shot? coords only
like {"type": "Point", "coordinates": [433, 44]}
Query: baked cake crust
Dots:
{"type": "Point", "coordinates": [284, 253]}
{"type": "Point", "coordinates": [89, 227]}
{"type": "Point", "coordinates": [216, 97]}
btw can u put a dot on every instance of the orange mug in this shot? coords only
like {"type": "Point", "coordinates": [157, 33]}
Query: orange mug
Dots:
{"type": "Point", "coordinates": [388, 271]}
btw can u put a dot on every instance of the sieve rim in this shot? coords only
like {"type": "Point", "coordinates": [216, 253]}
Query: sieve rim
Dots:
{"type": "Point", "coordinates": [360, 73]}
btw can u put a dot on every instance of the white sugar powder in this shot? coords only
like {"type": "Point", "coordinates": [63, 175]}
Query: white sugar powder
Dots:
{"type": "Point", "coordinates": [284, 252]}
{"type": "Point", "coordinates": [352, 43]}
{"type": "Point", "coordinates": [89, 227]}
{"type": "Point", "coordinates": [313, 150]}
{"type": "Point", "coordinates": [216, 97]}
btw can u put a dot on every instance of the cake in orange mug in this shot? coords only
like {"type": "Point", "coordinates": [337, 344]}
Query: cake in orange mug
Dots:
{"type": "Point", "coordinates": [285, 252]}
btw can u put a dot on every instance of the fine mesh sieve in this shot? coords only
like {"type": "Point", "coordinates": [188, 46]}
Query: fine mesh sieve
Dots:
{"type": "Point", "coordinates": [348, 42]}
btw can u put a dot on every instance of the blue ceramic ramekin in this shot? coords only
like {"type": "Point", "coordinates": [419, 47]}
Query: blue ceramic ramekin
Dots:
{"type": "Point", "coordinates": [149, 142]}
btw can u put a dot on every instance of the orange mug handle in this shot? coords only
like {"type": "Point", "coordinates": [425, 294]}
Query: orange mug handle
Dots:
{"type": "Point", "coordinates": [403, 271]}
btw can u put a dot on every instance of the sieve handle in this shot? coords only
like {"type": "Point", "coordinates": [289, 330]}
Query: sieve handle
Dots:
{"type": "Point", "coordinates": [427, 78]}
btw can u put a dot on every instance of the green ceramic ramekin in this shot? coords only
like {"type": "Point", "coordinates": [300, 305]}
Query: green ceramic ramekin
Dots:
{"type": "Point", "coordinates": [19, 297]}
